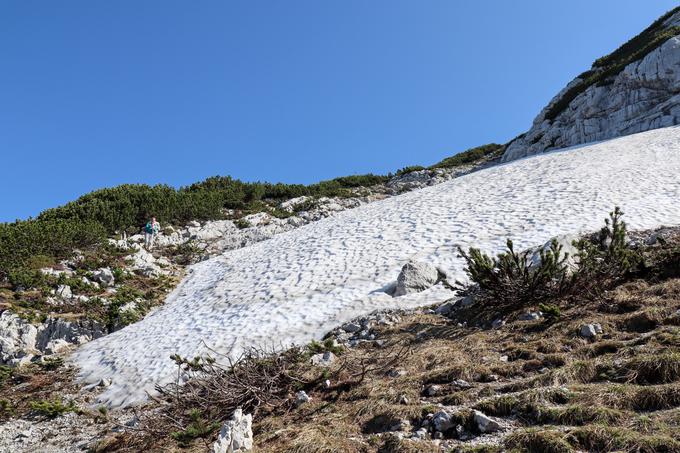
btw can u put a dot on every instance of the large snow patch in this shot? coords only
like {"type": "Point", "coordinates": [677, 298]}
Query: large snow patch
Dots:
{"type": "Point", "coordinates": [298, 285]}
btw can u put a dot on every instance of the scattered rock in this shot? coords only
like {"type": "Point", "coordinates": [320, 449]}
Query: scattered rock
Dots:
{"type": "Point", "coordinates": [104, 276]}
{"type": "Point", "coordinates": [301, 398]}
{"type": "Point", "coordinates": [397, 373]}
{"type": "Point", "coordinates": [590, 330]}
{"type": "Point", "coordinates": [433, 390]}
{"type": "Point", "coordinates": [323, 359]}
{"type": "Point", "coordinates": [497, 323]}
{"type": "Point", "coordinates": [461, 384]}
{"type": "Point", "coordinates": [486, 424]}
{"type": "Point", "coordinates": [64, 291]}
{"type": "Point", "coordinates": [530, 316]}
{"type": "Point", "coordinates": [420, 433]}
{"type": "Point", "coordinates": [56, 346]}
{"type": "Point", "coordinates": [401, 425]}
{"type": "Point", "coordinates": [566, 241]}
{"type": "Point", "coordinates": [351, 327]}
{"type": "Point", "coordinates": [415, 277]}
{"type": "Point", "coordinates": [446, 308]}
{"type": "Point", "coordinates": [442, 421]}
{"type": "Point", "coordinates": [236, 435]}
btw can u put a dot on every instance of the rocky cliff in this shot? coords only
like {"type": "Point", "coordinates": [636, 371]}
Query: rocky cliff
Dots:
{"type": "Point", "coordinates": [634, 89]}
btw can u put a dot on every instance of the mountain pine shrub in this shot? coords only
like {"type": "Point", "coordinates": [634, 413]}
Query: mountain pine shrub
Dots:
{"type": "Point", "coordinates": [510, 278]}
{"type": "Point", "coordinates": [606, 258]}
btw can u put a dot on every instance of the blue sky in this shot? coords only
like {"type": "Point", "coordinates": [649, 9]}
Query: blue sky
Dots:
{"type": "Point", "coordinates": [95, 94]}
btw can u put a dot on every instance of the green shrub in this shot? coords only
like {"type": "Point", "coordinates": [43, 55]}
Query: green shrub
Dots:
{"type": "Point", "coordinates": [471, 155]}
{"type": "Point", "coordinates": [509, 278]}
{"type": "Point", "coordinates": [197, 428]}
{"type": "Point", "coordinates": [23, 245]}
{"type": "Point", "coordinates": [606, 258]}
{"type": "Point", "coordinates": [53, 408]}
{"type": "Point", "coordinates": [550, 311]}
{"type": "Point", "coordinates": [5, 373]}
{"type": "Point", "coordinates": [411, 169]}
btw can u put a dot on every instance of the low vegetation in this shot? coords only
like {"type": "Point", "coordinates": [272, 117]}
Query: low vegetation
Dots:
{"type": "Point", "coordinates": [531, 277]}
{"type": "Point", "coordinates": [84, 224]}
{"type": "Point", "coordinates": [551, 389]}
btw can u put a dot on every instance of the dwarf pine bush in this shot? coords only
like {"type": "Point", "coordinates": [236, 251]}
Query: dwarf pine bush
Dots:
{"type": "Point", "coordinates": [606, 258]}
{"type": "Point", "coordinates": [510, 278]}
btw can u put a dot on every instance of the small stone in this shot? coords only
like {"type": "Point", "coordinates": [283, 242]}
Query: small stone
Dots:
{"type": "Point", "coordinates": [442, 421]}
{"type": "Point", "coordinates": [497, 324]}
{"type": "Point", "coordinates": [588, 331]}
{"type": "Point", "coordinates": [504, 358]}
{"type": "Point", "coordinates": [415, 277]}
{"type": "Point", "coordinates": [324, 360]}
{"type": "Point", "coordinates": [64, 291]}
{"type": "Point", "coordinates": [446, 308]}
{"type": "Point", "coordinates": [530, 316]}
{"type": "Point", "coordinates": [433, 390]}
{"type": "Point", "coordinates": [403, 399]}
{"type": "Point", "coordinates": [485, 424]}
{"type": "Point", "coordinates": [461, 384]}
{"type": "Point", "coordinates": [397, 373]}
{"type": "Point", "coordinates": [351, 327]}
{"type": "Point", "coordinates": [104, 276]}
{"type": "Point", "coordinates": [467, 301]}
{"type": "Point", "coordinates": [420, 433]}
{"type": "Point", "coordinates": [301, 398]}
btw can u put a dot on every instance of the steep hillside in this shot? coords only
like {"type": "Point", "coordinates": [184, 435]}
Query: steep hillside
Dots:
{"type": "Point", "coordinates": [635, 88]}
{"type": "Point", "coordinates": [297, 285]}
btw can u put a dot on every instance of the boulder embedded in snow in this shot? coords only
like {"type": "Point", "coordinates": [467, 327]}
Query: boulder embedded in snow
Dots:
{"type": "Point", "coordinates": [486, 424]}
{"type": "Point", "coordinates": [104, 276]}
{"type": "Point", "coordinates": [415, 277]}
{"type": "Point", "coordinates": [236, 435]}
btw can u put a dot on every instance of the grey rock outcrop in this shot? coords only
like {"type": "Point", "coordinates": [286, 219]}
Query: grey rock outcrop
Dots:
{"type": "Point", "coordinates": [20, 340]}
{"type": "Point", "coordinates": [645, 95]}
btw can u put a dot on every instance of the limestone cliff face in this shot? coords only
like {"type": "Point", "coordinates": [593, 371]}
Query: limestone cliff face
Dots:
{"type": "Point", "coordinates": [643, 95]}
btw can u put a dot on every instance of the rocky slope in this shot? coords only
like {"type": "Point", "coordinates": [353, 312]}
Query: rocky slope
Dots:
{"type": "Point", "coordinates": [634, 89]}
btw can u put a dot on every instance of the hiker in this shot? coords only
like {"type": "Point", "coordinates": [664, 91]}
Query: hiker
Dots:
{"type": "Point", "coordinates": [150, 231]}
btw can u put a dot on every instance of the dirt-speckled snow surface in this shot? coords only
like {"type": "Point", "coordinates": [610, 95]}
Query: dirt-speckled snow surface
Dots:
{"type": "Point", "coordinates": [298, 285]}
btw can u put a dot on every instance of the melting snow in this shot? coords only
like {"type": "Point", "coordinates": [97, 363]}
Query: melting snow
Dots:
{"type": "Point", "coordinates": [300, 284]}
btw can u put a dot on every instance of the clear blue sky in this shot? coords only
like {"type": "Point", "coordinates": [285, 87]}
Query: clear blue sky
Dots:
{"type": "Point", "coordinates": [95, 94]}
